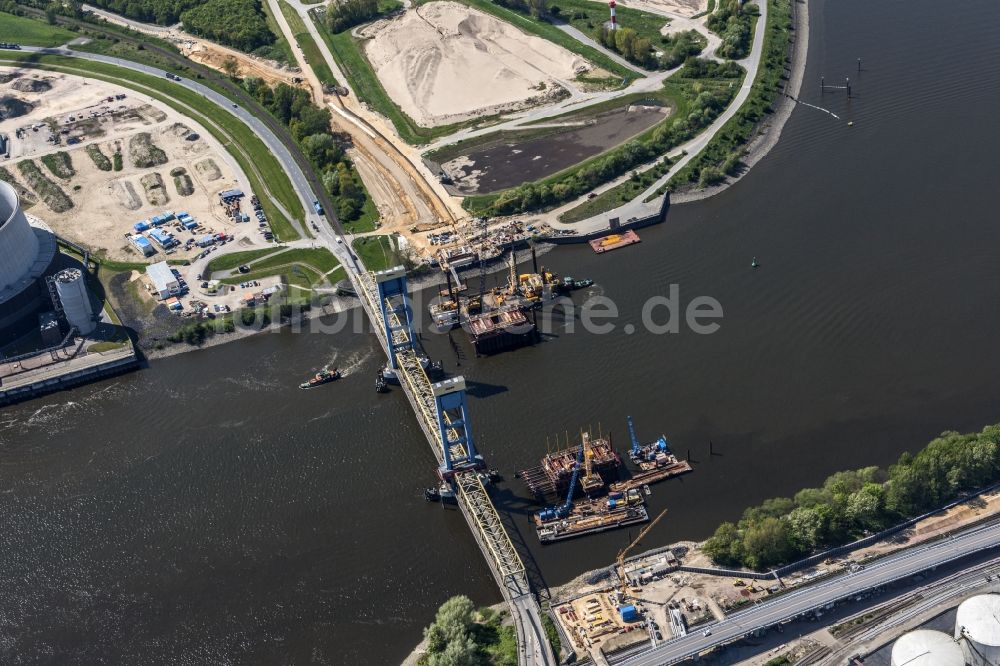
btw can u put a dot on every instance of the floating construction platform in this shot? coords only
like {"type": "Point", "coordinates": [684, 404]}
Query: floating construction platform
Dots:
{"type": "Point", "coordinates": [654, 475]}
{"type": "Point", "coordinates": [499, 330]}
{"type": "Point", "coordinates": [614, 241]}
{"type": "Point", "coordinates": [553, 475]}
{"type": "Point", "coordinates": [592, 516]}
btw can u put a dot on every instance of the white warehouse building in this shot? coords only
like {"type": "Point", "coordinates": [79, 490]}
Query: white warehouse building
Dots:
{"type": "Point", "coordinates": [165, 283]}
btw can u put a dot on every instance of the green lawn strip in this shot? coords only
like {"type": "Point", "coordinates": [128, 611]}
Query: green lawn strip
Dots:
{"type": "Point", "coordinates": [553, 34]}
{"type": "Point", "coordinates": [280, 42]}
{"type": "Point", "coordinates": [377, 252]}
{"type": "Point", "coordinates": [310, 50]}
{"type": "Point", "coordinates": [617, 195]}
{"type": "Point", "coordinates": [722, 154]}
{"type": "Point", "coordinates": [234, 259]}
{"type": "Point", "coordinates": [98, 347]}
{"type": "Point", "coordinates": [249, 151]}
{"type": "Point", "coordinates": [27, 32]}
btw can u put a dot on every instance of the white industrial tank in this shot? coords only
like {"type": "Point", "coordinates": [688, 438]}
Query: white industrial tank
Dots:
{"type": "Point", "coordinates": [925, 647]}
{"type": "Point", "coordinates": [72, 289]}
{"type": "Point", "coordinates": [978, 622]}
{"type": "Point", "coordinates": [18, 243]}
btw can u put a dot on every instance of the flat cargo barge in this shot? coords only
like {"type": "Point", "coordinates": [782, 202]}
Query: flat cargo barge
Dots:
{"type": "Point", "coordinates": [614, 241]}
{"type": "Point", "coordinates": [652, 476]}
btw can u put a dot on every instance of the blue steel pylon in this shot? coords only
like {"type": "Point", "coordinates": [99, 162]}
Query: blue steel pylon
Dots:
{"type": "Point", "coordinates": [449, 398]}
{"type": "Point", "coordinates": [393, 298]}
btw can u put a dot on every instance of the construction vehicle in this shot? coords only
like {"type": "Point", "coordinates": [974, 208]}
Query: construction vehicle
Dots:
{"type": "Point", "coordinates": [562, 510]}
{"type": "Point", "coordinates": [591, 481]}
{"type": "Point", "coordinates": [624, 551]}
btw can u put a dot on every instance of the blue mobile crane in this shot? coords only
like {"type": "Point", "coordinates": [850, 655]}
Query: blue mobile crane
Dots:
{"type": "Point", "coordinates": [562, 510]}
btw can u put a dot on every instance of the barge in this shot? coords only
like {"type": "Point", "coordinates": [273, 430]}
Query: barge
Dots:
{"type": "Point", "coordinates": [592, 516]}
{"type": "Point", "coordinates": [499, 330]}
{"type": "Point", "coordinates": [614, 241]}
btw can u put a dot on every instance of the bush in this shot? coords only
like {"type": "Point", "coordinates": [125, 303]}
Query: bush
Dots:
{"type": "Point", "coordinates": [100, 160]}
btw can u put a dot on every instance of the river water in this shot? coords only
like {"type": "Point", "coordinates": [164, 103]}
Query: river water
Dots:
{"type": "Point", "coordinates": [204, 511]}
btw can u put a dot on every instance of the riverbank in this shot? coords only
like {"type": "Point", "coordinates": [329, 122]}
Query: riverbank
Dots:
{"type": "Point", "coordinates": [768, 131]}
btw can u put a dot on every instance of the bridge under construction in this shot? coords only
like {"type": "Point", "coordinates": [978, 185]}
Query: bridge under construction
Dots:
{"type": "Point", "coordinates": [442, 412]}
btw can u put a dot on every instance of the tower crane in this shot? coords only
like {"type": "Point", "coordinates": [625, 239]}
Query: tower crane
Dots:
{"type": "Point", "coordinates": [624, 551]}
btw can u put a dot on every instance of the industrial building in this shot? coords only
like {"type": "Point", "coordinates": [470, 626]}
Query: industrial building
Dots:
{"type": "Point", "coordinates": [165, 283]}
{"type": "Point", "coordinates": [978, 623]}
{"type": "Point", "coordinates": [27, 254]}
{"type": "Point", "coordinates": [925, 647]}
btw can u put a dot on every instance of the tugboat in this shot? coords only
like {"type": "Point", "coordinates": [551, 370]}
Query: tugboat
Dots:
{"type": "Point", "coordinates": [322, 377]}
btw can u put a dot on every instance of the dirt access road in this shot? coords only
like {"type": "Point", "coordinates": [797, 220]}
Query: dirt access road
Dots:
{"type": "Point", "coordinates": [403, 197]}
{"type": "Point", "coordinates": [203, 51]}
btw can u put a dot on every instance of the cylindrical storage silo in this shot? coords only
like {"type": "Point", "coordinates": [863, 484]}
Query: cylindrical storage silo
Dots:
{"type": "Point", "coordinates": [925, 647]}
{"type": "Point", "coordinates": [72, 290]}
{"type": "Point", "coordinates": [18, 244]}
{"type": "Point", "coordinates": [978, 622]}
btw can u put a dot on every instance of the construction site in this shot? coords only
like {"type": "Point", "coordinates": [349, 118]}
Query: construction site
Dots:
{"type": "Point", "coordinates": [101, 164]}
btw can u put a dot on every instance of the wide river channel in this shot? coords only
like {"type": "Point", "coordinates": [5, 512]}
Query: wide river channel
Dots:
{"type": "Point", "coordinates": [205, 511]}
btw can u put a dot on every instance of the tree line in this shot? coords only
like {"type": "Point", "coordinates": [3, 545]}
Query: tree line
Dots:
{"type": "Point", "coordinates": [309, 125]}
{"type": "Point", "coordinates": [852, 504]}
{"type": "Point", "coordinates": [462, 636]}
{"type": "Point", "coordinates": [237, 23]}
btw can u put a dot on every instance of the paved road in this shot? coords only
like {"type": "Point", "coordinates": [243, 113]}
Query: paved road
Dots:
{"type": "Point", "coordinates": [327, 235]}
{"type": "Point", "coordinates": [887, 570]}
{"type": "Point", "coordinates": [637, 207]}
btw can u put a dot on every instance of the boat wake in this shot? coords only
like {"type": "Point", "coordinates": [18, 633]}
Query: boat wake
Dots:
{"type": "Point", "coordinates": [353, 362]}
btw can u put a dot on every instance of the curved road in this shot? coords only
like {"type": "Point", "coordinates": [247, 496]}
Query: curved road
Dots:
{"type": "Point", "coordinates": [886, 570]}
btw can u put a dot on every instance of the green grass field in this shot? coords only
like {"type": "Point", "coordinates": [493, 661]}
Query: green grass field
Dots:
{"type": "Point", "coordinates": [302, 269]}
{"type": "Point", "coordinates": [265, 173]}
{"type": "Point", "coordinates": [230, 261]}
{"type": "Point", "coordinates": [310, 50]}
{"type": "Point", "coordinates": [376, 252]}
{"type": "Point", "coordinates": [319, 259]}
{"type": "Point", "coordinates": [28, 32]}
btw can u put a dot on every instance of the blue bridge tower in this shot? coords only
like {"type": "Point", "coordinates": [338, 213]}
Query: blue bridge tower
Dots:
{"type": "Point", "coordinates": [453, 423]}
{"type": "Point", "coordinates": [394, 300]}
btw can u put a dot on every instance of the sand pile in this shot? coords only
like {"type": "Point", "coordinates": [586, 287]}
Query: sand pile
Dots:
{"type": "Point", "coordinates": [444, 62]}
{"type": "Point", "coordinates": [31, 85]}
{"type": "Point", "coordinates": [14, 107]}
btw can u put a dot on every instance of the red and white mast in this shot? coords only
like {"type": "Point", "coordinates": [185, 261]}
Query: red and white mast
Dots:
{"type": "Point", "coordinates": [614, 22]}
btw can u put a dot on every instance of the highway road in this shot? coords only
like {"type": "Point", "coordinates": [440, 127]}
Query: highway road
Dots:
{"type": "Point", "coordinates": [328, 233]}
{"type": "Point", "coordinates": [811, 597]}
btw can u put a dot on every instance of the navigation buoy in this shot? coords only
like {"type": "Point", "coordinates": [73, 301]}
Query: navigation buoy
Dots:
{"type": "Point", "coordinates": [754, 264]}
